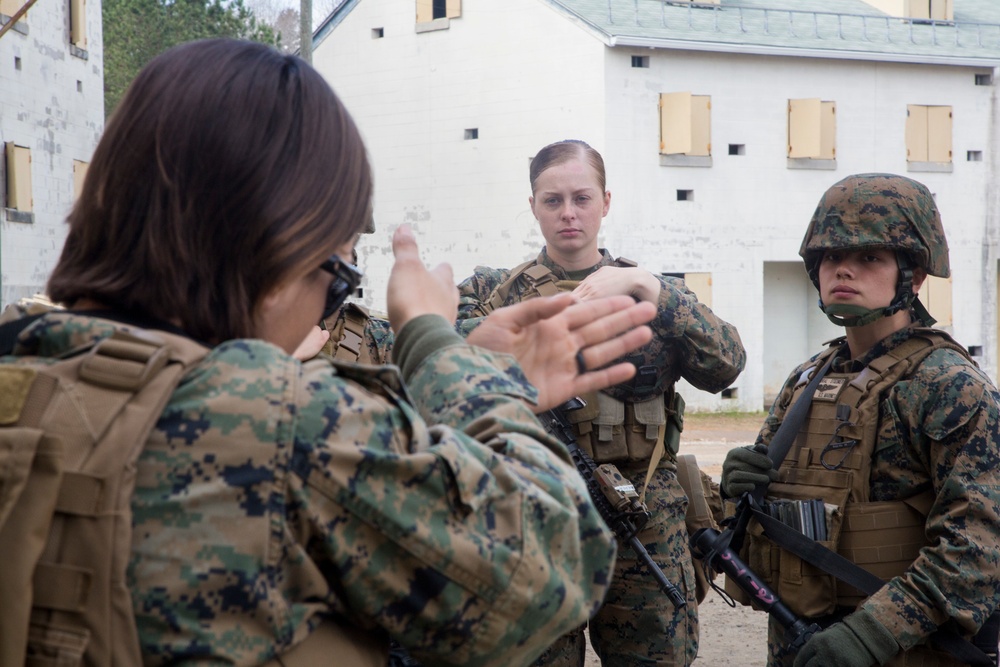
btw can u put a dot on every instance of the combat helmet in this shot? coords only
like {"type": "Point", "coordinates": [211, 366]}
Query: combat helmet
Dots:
{"type": "Point", "coordinates": [878, 211]}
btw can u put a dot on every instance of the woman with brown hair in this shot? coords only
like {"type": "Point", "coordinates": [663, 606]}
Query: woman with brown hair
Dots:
{"type": "Point", "coordinates": [634, 425]}
{"type": "Point", "coordinates": [275, 498]}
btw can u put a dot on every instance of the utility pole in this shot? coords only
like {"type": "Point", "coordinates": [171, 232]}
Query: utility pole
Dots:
{"type": "Point", "coordinates": [305, 30]}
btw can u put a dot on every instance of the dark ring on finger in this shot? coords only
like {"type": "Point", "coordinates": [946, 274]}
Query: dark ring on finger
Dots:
{"type": "Point", "coordinates": [581, 365]}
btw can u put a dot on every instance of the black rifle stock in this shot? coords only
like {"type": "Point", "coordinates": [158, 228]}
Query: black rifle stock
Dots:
{"type": "Point", "coordinates": [613, 495]}
{"type": "Point", "coordinates": [707, 547]}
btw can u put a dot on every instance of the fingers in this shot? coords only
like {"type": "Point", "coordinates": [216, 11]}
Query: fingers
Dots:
{"type": "Point", "coordinates": [608, 337]}
{"type": "Point", "coordinates": [443, 274]}
{"type": "Point", "coordinates": [585, 312]}
{"type": "Point", "coordinates": [404, 244]}
{"type": "Point", "coordinates": [528, 312]}
{"type": "Point", "coordinates": [595, 356]}
{"type": "Point", "coordinates": [602, 378]}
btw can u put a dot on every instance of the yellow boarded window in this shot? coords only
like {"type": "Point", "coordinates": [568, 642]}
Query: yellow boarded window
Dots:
{"type": "Point", "coordinates": [425, 11]}
{"type": "Point", "coordinates": [685, 124]}
{"type": "Point", "coordinates": [701, 285]}
{"type": "Point", "coordinates": [935, 294]}
{"type": "Point", "coordinates": [18, 160]}
{"type": "Point", "coordinates": [428, 10]}
{"type": "Point", "coordinates": [79, 173]}
{"type": "Point", "coordinates": [10, 7]}
{"type": "Point", "coordinates": [812, 129]}
{"type": "Point", "coordinates": [939, 10]}
{"type": "Point", "coordinates": [928, 133]}
{"type": "Point", "coordinates": [78, 23]}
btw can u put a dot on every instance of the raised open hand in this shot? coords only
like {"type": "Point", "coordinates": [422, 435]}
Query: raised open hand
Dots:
{"type": "Point", "coordinates": [546, 335]}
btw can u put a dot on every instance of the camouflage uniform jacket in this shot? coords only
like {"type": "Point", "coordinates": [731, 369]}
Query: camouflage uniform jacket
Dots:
{"type": "Point", "coordinates": [938, 430]}
{"type": "Point", "coordinates": [273, 494]}
{"type": "Point", "coordinates": [689, 340]}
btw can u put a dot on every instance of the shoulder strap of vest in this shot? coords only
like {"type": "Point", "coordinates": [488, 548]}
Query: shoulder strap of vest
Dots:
{"type": "Point", "coordinates": [532, 269]}
{"type": "Point", "coordinates": [899, 361]}
{"type": "Point", "coordinates": [82, 423]}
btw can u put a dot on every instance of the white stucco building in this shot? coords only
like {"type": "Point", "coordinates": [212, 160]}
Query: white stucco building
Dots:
{"type": "Point", "coordinates": [51, 116]}
{"type": "Point", "coordinates": [720, 124]}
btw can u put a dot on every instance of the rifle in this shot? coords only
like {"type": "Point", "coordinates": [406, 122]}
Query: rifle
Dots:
{"type": "Point", "coordinates": [613, 494]}
{"type": "Point", "coordinates": [707, 546]}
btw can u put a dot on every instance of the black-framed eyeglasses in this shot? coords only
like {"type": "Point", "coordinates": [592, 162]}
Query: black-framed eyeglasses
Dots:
{"type": "Point", "coordinates": [346, 278]}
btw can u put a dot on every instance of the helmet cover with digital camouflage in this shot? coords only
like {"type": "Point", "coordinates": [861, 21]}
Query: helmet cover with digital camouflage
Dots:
{"type": "Point", "coordinates": [878, 211]}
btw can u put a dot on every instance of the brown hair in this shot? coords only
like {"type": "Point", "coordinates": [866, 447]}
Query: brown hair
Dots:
{"type": "Point", "coordinates": [227, 170]}
{"type": "Point", "coordinates": [564, 151]}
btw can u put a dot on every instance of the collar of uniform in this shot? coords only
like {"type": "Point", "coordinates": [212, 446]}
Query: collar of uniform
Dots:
{"type": "Point", "coordinates": [880, 349]}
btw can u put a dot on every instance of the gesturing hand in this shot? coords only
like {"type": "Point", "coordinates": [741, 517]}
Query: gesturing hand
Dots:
{"type": "Point", "coordinates": [545, 335]}
{"type": "Point", "coordinates": [612, 280]}
{"type": "Point", "coordinates": [413, 289]}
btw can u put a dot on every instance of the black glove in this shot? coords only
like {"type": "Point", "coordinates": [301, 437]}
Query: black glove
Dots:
{"type": "Point", "coordinates": [858, 641]}
{"type": "Point", "coordinates": [745, 468]}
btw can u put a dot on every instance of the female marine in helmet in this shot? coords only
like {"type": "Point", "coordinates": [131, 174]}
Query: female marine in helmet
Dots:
{"type": "Point", "coordinates": [900, 442]}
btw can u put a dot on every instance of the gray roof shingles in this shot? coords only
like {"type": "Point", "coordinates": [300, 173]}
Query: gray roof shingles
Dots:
{"type": "Point", "coordinates": [825, 28]}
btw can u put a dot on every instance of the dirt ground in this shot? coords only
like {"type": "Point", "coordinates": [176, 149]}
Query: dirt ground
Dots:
{"type": "Point", "coordinates": [730, 637]}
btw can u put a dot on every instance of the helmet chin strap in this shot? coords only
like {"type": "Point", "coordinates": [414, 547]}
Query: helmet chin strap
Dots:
{"type": "Point", "coordinates": [845, 315]}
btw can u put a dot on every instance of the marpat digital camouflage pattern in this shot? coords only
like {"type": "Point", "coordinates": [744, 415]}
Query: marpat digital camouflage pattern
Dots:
{"type": "Point", "coordinates": [689, 340]}
{"type": "Point", "coordinates": [273, 494]}
{"type": "Point", "coordinates": [877, 211]}
{"type": "Point", "coordinates": [939, 429]}
{"type": "Point", "coordinates": [638, 625]}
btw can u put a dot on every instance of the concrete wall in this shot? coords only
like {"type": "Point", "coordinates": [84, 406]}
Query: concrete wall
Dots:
{"type": "Point", "coordinates": [525, 75]}
{"type": "Point", "coordinates": [52, 102]}
{"type": "Point", "coordinates": [752, 209]}
{"type": "Point", "coordinates": [516, 71]}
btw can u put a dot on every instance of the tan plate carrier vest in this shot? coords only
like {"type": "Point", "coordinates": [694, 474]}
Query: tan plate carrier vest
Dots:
{"type": "Point", "coordinates": [609, 430]}
{"type": "Point", "coordinates": [613, 431]}
{"type": "Point", "coordinates": [881, 537]}
{"type": "Point", "coordinates": [347, 335]}
{"type": "Point", "coordinates": [71, 432]}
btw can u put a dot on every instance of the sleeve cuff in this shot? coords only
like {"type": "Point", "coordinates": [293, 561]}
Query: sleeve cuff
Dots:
{"type": "Point", "coordinates": [421, 337]}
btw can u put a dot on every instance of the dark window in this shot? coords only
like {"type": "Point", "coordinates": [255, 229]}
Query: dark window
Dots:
{"type": "Point", "coordinates": [378, 33]}
{"type": "Point", "coordinates": [440, 9]}
{"type": "Point", "coordinates": [640, 61]}
{"type": "Point", "coordinates": [685, 195]}
{"type": "Point", "coordinates": [737, 149]}
{"type": "Point", "coordinates": [472, 133]}
{"type": "Point", "coordinates": [984, 79]}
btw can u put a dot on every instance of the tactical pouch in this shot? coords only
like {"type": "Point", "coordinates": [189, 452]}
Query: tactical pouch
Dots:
{"type": "Point", "coordinates": [608, 436]}
{"type": "Point", "coordinates": [612, 431]}
{"type": "Point", "coordinates": [698, 488]}
{"type": "Point", "coordinates": [804, 588]}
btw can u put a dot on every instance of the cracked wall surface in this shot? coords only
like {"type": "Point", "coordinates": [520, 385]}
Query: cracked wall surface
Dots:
{"type": "Point", "coordinates": [52, 102]}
